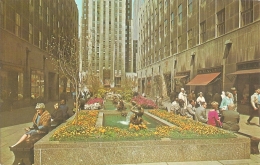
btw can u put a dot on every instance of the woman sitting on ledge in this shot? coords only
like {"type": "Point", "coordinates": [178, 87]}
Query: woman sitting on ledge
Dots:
{"type": "Point", "coordinates": [41, 124]}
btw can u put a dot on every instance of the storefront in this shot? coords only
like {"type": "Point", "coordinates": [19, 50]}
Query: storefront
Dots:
{"type": "Point", "coordinates": [208, 81]}
{"type": "Point", "coordinates": [247, 80]}
{"type": "Point", "coordinates": [180, 80]}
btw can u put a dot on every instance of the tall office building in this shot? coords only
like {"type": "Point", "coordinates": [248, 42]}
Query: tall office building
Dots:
{"type": "Point", "coordinates": [26, 29]}
{"type": "Point", "coordinates": [106, 39]}
{"type": "Point", "coordinates": [207, 46]}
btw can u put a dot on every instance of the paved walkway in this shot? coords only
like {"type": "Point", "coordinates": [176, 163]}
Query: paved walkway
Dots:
{"type": "Point", "coordinates": [10, 134]}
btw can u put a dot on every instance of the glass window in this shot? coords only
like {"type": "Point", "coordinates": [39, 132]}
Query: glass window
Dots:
{"type": "Point", "coordinates": [180, 13]}
{"type": "Point", "coordinates": [221, 22]}
{"type": "Point", "coordinates": [172, 19]}
{"type": "Point", "coordinates": [246, 12]}
{"type": "Point", "coordinates": [37, 84]}
{"type": "Point", "coordinates": [203, 32]}
{"type": "Point", "coordinates": [190, 6]}
{"type": "Point", "coordinates": [17, 25]}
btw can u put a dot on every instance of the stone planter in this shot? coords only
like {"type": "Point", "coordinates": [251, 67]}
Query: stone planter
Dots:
{"type": "Point", "coordinates": [124, 152]}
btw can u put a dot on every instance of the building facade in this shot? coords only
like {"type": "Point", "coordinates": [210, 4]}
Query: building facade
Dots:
{"type": "Point", "coordinates": [106, 40]}
{"type": "Point", "coordinates": [201, 45]}
{"type": "Point", "coordinates": [26, 29]}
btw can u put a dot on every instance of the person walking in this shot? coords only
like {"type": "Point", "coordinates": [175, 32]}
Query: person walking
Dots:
{"type": "Point", "coordinates": [255, 106]}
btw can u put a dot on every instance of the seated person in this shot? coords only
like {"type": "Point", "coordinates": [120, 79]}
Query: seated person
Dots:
{"type": "Point", "coordinates": [230, 119]}
{"type": "Point", "coordinates": [213, 117]}
{"type": "Point", "coordinates": [191, 109]}
{"type": "Point", "coordinates": [41, 124]}
{"type": "Point", "coordinates": [56, 116]}
{"type": "Point", "coordinates": [175, 107]}
{"type": "Point", "coordinates": [201, 113]}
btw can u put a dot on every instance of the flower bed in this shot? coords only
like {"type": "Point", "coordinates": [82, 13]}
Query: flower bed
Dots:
{"type": "Point", "coordinates": [84, 129]}
{"type": "Point", "coordinates": [144, 102]}
{"type": "Point", "coordinates": [191, 126]}
{"type": "Point", "coordinates": [95, 100]}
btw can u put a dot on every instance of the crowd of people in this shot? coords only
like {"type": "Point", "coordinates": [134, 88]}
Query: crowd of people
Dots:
{"type": "Point", "coordinates": [222, 113]}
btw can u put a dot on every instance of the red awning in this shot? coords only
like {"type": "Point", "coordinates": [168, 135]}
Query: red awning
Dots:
{"type": "Point", "coordinates": [203, 79]}
{"type": "Point", "coordinates": [179, 77]}
{"type": "Point", "coordinates": [251, 71]}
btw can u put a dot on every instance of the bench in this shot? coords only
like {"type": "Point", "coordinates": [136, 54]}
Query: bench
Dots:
{"type": "Point", "coordinates": [254, 142]}
{"type": "Point", "coordinates": [24, 152]}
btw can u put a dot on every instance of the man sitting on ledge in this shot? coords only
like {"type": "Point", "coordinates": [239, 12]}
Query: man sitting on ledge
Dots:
{"type": "Point", "coordinates": [41, 124]}
{"type": "Point", "coordinates": [230, 119]}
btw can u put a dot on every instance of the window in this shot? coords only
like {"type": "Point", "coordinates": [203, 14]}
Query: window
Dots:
{"type": "Point", "coordinates": [190, 6]}
{"type": "Point", "coordinates": [179, 43]}
{"type": "Point", "coordinates": [37, 84]}
{"type": "Point", "coordinates": [221, 22]}
{"type": "Point", "coordinates": [165, 3]}
{"type": "Point", "coordinates": [190, 37]}
{"type": "Point", "coordinates": [40, 39]}
{"type": "Point", "coordinates": [246, 12]}
{"type": "Point", "coordinates": [30, 33]}
{"type": "Point", "coordinates": [1, 14]}
{"type": "Point", "coordinates": [202, 31]}
{"type": "Point", "coordinates": [40, 7]}
{"type": "Point", "coordinates": [47, 15]}
{"type": "Point", "coordinates": [180, 13]}
{"type": "Point", "coordinates": [172, 19]}
{"type": "Point", "coordinates": [17, 25]}
{"type": "Point", "coordinates": [165, 27]}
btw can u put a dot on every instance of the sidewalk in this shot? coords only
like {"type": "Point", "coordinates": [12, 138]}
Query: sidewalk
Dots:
{"type": "Point", "coordinates": [11, 134]}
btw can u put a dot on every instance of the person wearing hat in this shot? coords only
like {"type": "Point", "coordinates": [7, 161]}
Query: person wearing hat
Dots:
{"type": "Point", "coordinates": [41, 124]}
{"type": "Point", "coordinates": [234, 97]}
{"type": "Point", "coordinates": [200, 99]}
{"type": "Point", "coordinates": [183, 96]}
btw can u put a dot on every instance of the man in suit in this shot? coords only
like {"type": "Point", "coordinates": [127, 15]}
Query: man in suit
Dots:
{"type": "Point", "coordinates": [230, 119]}
{"type": "Point", "coordinates": [201, 113]}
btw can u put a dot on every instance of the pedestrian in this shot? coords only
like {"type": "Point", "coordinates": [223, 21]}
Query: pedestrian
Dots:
{"type": "Point", "coordinates": [225, 102]}
{"type": "Point", "coordinates": [255, 106]}
{"type": "Point", "coordinates": [192, 96]}
{"type": "Point", "coordinates": [183, 96]}
{"type": "Point", "coordinates": [234, 97]}
{"type": "Point", "coordinates": [63, 96]}
{"type": "Point", "coordinates": [41, 124]}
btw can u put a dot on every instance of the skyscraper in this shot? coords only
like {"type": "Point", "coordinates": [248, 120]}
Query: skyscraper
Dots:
{"type": "Point", "coordinates": [105, 39]}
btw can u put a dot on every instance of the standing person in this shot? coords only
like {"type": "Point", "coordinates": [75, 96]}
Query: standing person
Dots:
{"type": "Point", "coordinates": [64, 108]}
{"type": "Point", "coordinates": [234, 97]}
{"type": "Point", "coordinates": [192, 96]}
{"type": "Point", "coordinates": [56, 116]}
{"type": "Point", "coordinates": [201, 113]}
{"type": "Point", "coordinates": [200, 99]}
{"type": "Point", "coordinates": [225, 102]}
{"type": "Point", "coordinates": [183, 96]}
{"type": "Point", "coordinates": [230, 119]}
{"type": "Point", "coordinates": [213, 118]}
{"type": "Point", "coordinates": [255, 106]}
{"type": "Point", "coordinates": [217, 98]}
{"type": "Point", "coordinates": [41, 124]}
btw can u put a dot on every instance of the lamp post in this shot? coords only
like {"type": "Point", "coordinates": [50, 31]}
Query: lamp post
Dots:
{"type": "Point", "coordinates": [27, 89]}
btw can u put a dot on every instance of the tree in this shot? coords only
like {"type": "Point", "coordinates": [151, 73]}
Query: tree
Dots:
{"type": "Point", "coordinates": [64, 54]}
